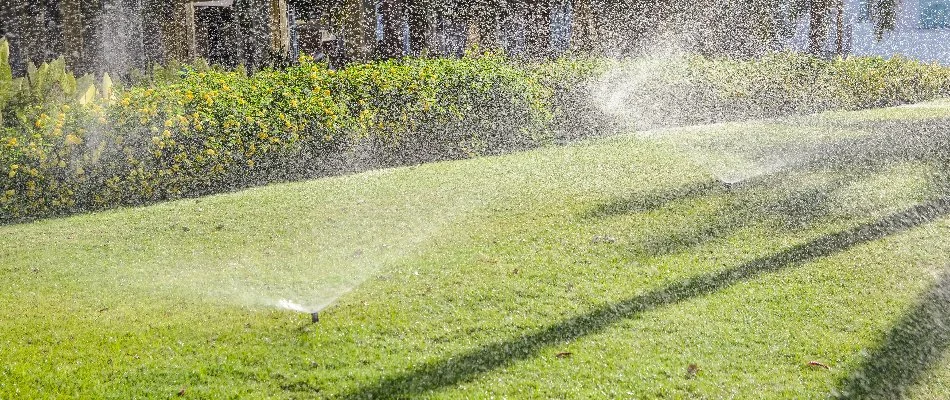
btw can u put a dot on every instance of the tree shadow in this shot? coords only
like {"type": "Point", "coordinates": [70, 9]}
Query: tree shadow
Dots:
{"type": "Point", "coordinates": [910, 349]}
{"type": "Point", "coordinates": [468, 366]}
{"type": "Point", "coordinates": [883, 144]}
{"type": "Point", "coordinates": [643, 202]}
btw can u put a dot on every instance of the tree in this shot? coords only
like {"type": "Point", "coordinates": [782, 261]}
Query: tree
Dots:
{"type": "Point", "coordinates": [538, 28]}
{"type": "Point", "coordinates": [585, 35]}
{"type": "Point", "coordinates": [393, 19]}
{"type": "Point", "coordinates": [418, 21]}
{"type": "Point", "coordinates": [883, 14]}
{"type": "Point", "coordinates": [818, 26]}
{"type": "Point", "coordinates": [483, 23]}
{"type": "Point", "coordinates": [359, 30]}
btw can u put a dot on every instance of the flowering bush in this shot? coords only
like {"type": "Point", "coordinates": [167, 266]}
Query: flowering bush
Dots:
{"type": "Point", "coordinates": [67, 144]}
{"type": "Point", "coordinates": [210, 131]}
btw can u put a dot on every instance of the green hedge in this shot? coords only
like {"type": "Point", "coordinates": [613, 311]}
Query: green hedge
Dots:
{"type": "Point", "coordinates": [701, 90]}
{"type": "Point", "coordinates": [69, 144]}
{"type": "Point", "coordinates": [210, 131]}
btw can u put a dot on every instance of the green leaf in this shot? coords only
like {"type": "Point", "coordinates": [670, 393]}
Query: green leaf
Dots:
{"type": "Point", "coordinates": [6, 72]}
{"type": "Point", "coordinates": [89, 96]}
{"type": "Point", "coordinates": [107, 87]}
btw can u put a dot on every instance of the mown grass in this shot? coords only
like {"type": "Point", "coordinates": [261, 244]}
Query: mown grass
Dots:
{"type": "Point", "coordinates": [599, 270]}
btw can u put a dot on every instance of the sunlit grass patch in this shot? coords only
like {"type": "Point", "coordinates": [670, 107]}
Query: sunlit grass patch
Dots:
{"type": "Point", "coordinates": [602, 269]}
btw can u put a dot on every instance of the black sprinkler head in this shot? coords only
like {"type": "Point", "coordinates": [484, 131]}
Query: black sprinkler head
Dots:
{"type": "Point", "coordinates": [314, 317]}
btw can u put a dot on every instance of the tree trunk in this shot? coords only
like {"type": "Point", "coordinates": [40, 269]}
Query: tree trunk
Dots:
{"type": "Point", "coordinates": [394, 18]}
{"type": "Point", "coordinates": [279, 27]}
{"type": "Point", "coordinates": [839, 25]}
{"type": "Point", "coordinates": [538, 29]}
{"type": "Point", "coordinates": [818, 27]}
{"type": "Point", "coordinates": [73, 46]}
{"type": "Point", "coordinates": [483, 26]}
{"type": "Point", "coordinates": [418, 27]}
{"type": "Point", "coordinates": [359, 29]}
{"type": "Point", "coordinates": [584, 30]}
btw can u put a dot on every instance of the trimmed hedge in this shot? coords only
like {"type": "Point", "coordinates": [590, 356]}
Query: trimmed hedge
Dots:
{"type": "Point", "coordinates": [695, 90]}
{"type": "Point", "coordinates": [211, 131]}
{"type": "Point", "coordinates": [67, 145]}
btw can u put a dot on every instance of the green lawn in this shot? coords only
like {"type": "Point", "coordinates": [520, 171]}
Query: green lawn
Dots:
{"type": "Point", "coordinates": [476, 278]}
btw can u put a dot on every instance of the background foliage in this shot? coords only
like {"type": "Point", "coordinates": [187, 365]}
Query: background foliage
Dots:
{"type": "Point", "coordinates": [72, 144]}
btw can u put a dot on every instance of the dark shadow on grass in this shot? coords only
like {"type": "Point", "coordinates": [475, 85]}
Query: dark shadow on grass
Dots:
{"type": "Point", "coordinates": [911, 348]}
{"type": "Point", "coordinates": [654, 201]}
{"type": "Point", "coordinates": [884, 144]}
{"type": "Point", "coordinates": [468, 366]}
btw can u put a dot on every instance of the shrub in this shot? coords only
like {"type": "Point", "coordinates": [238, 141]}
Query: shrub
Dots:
{"type": "Point", "coordinates": [207, 130]}
{"type": "Point", "coordinates": [69, 144]}
{"type": "Point", "coordinates": [711, 90]}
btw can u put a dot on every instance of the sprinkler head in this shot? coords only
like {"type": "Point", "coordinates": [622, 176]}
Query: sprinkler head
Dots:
{"type": "Point", "coordinates": [314, 317]}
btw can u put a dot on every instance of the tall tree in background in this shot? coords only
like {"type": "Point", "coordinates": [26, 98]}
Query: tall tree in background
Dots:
{"type": "Point", "coordinates": [884, 16]}
{"type": "Point", "coordinates": [538, 28]}
{"type": "Point", "coordinates": [585, 33]}
{"type": "Point", "coordinates": [418, 21]}
{"type": "Point", "coordinates": [359, 30]}
{"type": "Point", "coordinates": [483, 18]}
{"type": "Point", "coordinates": [818, 26]}
{"type": "Point", "coordinates": [393, 19]}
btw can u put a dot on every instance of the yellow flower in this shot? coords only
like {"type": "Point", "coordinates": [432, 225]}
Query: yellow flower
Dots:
{"type": "Point", "coordinates": [10, 193]}
{"type": "Point", "coordinates": [11, 142]}
{"type": "Point", "coordinates": [73, 139]}
{"type": "Point", "coordinates": [210, 152]}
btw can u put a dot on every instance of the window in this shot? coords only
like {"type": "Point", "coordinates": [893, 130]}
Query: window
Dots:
{"type": "Point", "coordinates": [934, 14]}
